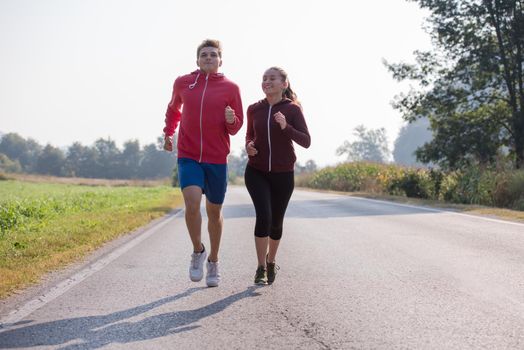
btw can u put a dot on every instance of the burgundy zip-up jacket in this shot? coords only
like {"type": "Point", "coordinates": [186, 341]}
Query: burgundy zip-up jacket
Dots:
{"type": "Point", "coordinates": [275, 145]}
{"type": "Point", "coordinates": [198, 103]}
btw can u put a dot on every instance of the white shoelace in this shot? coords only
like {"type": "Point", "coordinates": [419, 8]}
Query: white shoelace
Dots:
{"type": "Point", "coordinates": [195, 257]}
{"type": "Point", "coordinates": [212, 269]}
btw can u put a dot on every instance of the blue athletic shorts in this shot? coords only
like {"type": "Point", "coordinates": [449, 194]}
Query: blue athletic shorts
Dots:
{"type": "Point", "coordinates": [211, 178]}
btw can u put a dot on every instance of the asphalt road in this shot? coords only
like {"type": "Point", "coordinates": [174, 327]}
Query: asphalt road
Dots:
{"type": "Point", "coordinates": [355, 274]}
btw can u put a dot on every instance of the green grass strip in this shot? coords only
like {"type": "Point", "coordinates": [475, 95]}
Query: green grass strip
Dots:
{"type": "Point", "coordinates": [47, 226]}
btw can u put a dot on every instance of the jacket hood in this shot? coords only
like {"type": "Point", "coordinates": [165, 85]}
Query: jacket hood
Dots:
{"type": "Point", "coordinates": [213, 76]}
{"type": "Point", "coordinates": [199, 73]}
{"type": "Point", "coordinates": [265, 102]}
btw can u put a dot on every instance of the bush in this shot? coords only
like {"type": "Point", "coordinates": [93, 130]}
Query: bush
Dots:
{"type": "Point", "coordinates": [9, 166]}
{"type": "Point", "coordinates": [484, 186]}
{"type": "Point", "coordinates": [515, 191]}
{"type": "Point", "coordinates": [358, 176]}
{"type": "Point", "coordinates": [448, 187]}
{"type": "Point", "coordinates": [472, 185]}
{"type": "Point", "coordinates": [414, 183]}
{"type": "Point", "coordinates": [323, 179]}
{"type": "Point", "coordinates": [475, 184]}
{"type": "Point", "coordinates": [303, 179]}
{"type": "Point", "coordinates": [437, 177]}
{"type": "Point", "coordinates": [519, 205]}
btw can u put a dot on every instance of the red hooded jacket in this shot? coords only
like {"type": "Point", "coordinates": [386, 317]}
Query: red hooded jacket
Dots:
{"type": "Point", "coordinates": [199, 101]}
{"type": "Point", "coordinates": [274, 145]}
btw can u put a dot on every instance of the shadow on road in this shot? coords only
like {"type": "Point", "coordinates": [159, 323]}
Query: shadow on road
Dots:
{"type": "Point", "coordinates": [97, 331]}
{"type": "Point", "coordinates": [328, 208]}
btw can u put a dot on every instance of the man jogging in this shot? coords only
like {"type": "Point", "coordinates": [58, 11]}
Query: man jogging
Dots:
{"type": "Point", "coordinates": [209, 109]}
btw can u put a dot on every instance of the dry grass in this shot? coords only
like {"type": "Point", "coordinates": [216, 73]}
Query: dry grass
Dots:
{"type": "Point", "coordinates": [498, 213]}
{"type": "Point", "coordinates": [86, 181]}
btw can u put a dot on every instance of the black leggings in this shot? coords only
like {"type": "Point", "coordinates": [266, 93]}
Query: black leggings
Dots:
{"type": "Point", "coordinates": [270, 193]}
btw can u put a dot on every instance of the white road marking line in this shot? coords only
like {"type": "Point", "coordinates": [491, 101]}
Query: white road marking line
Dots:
{"type": "Point", "coordinates": [56, 291]}
{"type": "Point", "coordinates": [440, 211]}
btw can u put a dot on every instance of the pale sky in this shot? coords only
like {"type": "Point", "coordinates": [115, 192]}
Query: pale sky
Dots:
{"type": "Point", "coordinates": [77, 70]}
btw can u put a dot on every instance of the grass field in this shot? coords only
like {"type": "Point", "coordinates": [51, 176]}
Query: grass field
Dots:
{"type": "Point", "coordinates": [44, 226]}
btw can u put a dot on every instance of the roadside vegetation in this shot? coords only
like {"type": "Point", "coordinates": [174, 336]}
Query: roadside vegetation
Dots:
{"type": "Point", "coordinates": [464, 111]}
{"type": "Point", "coordinates": [44, 226]}
{"type": "Point", "coordinates": [473, 185]}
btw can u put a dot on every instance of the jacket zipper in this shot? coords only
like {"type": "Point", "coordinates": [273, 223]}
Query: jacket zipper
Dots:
{"type": "Point", "coordinates": [201, 112]}
{"type": "Point", "coordinates": [269, 135]}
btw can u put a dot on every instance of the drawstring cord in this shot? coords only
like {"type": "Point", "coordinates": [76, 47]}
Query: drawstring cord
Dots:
{"type": "Point", "coordinates": [191, 86]}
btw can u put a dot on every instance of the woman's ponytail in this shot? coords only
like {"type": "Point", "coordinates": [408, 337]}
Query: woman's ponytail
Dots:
{"type": "Point", "coordinates": [288, 92]}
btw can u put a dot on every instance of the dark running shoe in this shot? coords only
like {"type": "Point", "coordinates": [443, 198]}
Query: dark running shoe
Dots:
{"type": "Point", "coordinates": [272, 272]}
{"type": "Point", "coordinates": [261, 275]}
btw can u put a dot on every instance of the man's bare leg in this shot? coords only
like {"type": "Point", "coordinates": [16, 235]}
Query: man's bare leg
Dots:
{"type": "Point", "coordinates": [214, 226]}
{"type": "Point", "coordinates": [192, 198]}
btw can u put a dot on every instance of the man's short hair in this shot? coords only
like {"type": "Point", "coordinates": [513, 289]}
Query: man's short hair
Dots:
{"type": "Point", "coordinates": [210, 43]}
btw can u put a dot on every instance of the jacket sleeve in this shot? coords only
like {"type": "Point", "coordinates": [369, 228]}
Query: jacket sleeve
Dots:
{"type": "Point", "coordinates": [173, 113]}
{"type": "Point", "coordinates": [250, 134]}
{"type": "Point", "coordinates": [296, 129]}
{"type": "Point", "coordinates": [236, 104]}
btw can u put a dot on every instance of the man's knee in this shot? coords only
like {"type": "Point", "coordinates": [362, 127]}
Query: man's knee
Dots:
{"type": "Point", "coordinates": [192, 210]}
{"type": "Point", "coordinates": [192, 199]}
{"type": "Point", "coordinates": [214, 211]}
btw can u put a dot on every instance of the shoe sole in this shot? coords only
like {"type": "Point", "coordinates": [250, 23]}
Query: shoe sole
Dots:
{"type": "Point", "coordinates": [195, 280]}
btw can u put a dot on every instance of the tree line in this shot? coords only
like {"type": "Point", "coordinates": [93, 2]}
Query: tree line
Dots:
{"type": "Point", "coordinates": [103, 159]}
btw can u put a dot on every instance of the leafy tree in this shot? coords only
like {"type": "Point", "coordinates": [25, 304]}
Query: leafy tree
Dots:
{"type": "Point", "coordinates": [9, 166]}
{"type": "Point", "coordinates": [108, 158]}
{"type": "Point", "coordinates": [51, 161]}
{"type": "Point", "coordinates": [461, 140]}
{"type": "Point", "coordinates": [473, 79]}
{"type": "Point", "coordinates": [410, 137]}
{"type": "Point", "coordinates": [130, 160]}
{"type": "Point", "coordinates": [156, 163]}
{"type": "Point", "coordinates": [371, 145]}
{"type": "Point", "coordinates": [81, 161]}
{"type": "Point", "coordinates": [25, 151]}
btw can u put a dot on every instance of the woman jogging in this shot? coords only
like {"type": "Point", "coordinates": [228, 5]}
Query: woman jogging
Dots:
{"type": "Point", "coordinates": [272, 125]}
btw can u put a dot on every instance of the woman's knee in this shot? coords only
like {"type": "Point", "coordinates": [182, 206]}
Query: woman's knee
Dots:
{"type": "Point", "coordinates": [262, 226]}
{"type": "Point", "coordinates": [261, 234]}
{"type": "Point", "coordinates": [276, 234]}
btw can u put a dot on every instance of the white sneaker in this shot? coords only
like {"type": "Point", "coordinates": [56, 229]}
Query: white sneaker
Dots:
{"type": "Point", "coordinates": [196, 269]}
{"type": "Point", "coordinates": [213, 276]}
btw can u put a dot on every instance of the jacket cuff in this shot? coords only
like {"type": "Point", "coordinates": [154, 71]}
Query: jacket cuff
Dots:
{"type": "Point", "coordinates": [288, 130]}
